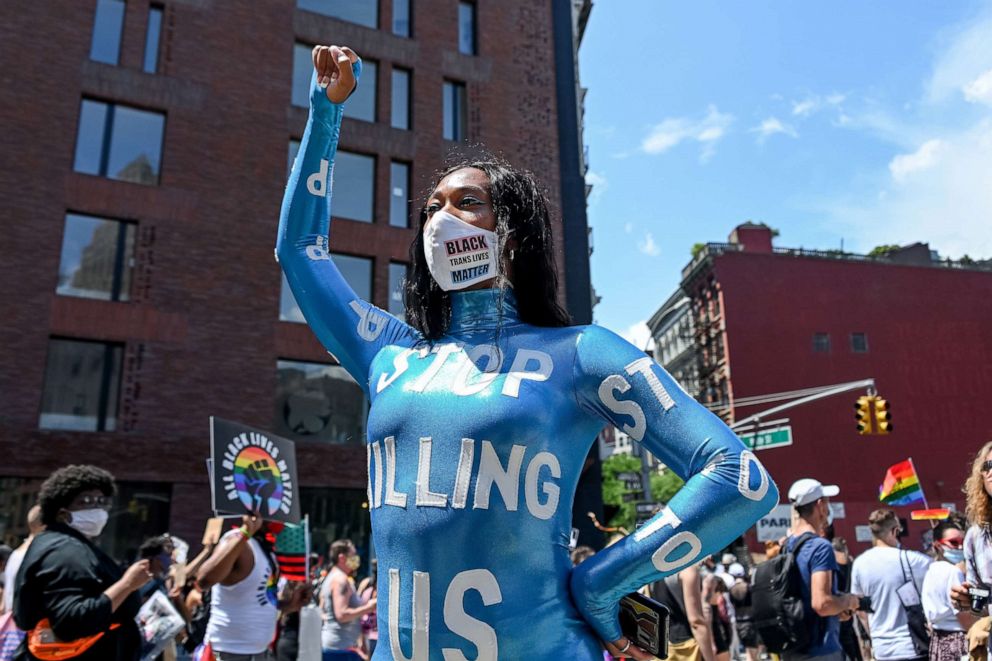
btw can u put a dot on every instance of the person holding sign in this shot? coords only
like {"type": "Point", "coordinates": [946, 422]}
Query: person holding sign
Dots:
{"type": "Point", "coordinates": [484, 406]}
{"type": "Point", "coordinates": [242, 575]}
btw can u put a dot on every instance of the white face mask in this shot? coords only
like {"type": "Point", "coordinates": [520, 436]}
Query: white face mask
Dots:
{"type": "Point", "coordinates": [458, 254]}
{"type": "Point", "coordinates": [89, 522]}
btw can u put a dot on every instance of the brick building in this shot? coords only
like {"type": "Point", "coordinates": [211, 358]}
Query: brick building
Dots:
{"type": "Point", "coordinates": [765, 320]}
{"type": "Point", "coordinates": [145, 152]}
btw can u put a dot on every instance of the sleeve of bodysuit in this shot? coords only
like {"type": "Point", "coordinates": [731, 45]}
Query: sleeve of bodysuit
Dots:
{"type": "Point", "coordinates": [350, 328]}
{"type": "Point", "coordinates": [726, 488]}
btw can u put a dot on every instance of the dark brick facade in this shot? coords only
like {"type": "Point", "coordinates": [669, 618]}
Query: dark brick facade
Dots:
{"type": "Point", "coordinates": [201, 331]}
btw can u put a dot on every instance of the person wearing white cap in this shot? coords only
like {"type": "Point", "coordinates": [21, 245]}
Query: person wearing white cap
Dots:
{"type": "Point", "coordinates": [818, 568]}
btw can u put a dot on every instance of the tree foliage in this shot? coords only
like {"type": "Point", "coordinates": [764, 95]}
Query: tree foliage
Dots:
{"type": "Point", "coordinates": [663, 487]}
{"type": "Point", "coordinates": [882, 250]}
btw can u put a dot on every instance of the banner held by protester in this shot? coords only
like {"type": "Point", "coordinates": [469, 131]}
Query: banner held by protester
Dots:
{"type": "Point", "coordinates": [253, 471]}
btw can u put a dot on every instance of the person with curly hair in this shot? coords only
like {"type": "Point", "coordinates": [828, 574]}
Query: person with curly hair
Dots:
{"type": "Point", "coordinates": [978, 539]}
{"type": "Point", "coordinates": [68, 581]}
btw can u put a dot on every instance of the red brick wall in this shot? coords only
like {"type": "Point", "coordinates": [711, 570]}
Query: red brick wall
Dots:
{"type": "Point", "coordinates": [202, 333]}
{"type": "Point", "coordinates": [929, 334]}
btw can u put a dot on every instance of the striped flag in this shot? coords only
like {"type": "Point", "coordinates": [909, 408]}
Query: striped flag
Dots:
{"type": "Point", "coordinates": [901, 485]}
{"type": "Point", "coordinates": [293, 551]}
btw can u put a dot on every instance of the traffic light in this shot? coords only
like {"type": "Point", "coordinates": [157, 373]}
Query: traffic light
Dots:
{"type": "Point", "coordinates": [883, 419]}
{"type": "Point", "coordinates": [862, 413]}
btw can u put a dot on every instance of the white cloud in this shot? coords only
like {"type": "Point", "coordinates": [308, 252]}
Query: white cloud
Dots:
{"type": "Point", "coordinates": [648, 246]}
{"type": "Point", "coordinates": [967, 56]}
{"type": "Point", "coordinates": [937, 187]}
{"type": "Point", "coordinates": [707, 131]}
{"type": "Point", "coordinates": [924, 158]}
{"type": "Point", "coordinates": [814, 103]}
{"type": "Point", "coordinates": [599, 186]}
{"type": "Point", "coordinates": [770, 127]}
{"type": "Point", "coordinates": [980, 89]}
{"type": "Point", "coordinates": [805, 107]}
{"type": "Point", "coordinates": [948, 205]}
{"type": "Point", "coordinates": [639, 335]}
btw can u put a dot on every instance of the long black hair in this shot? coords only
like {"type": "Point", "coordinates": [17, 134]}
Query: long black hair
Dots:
{"type": "Point", "coordinates": [521, 211]}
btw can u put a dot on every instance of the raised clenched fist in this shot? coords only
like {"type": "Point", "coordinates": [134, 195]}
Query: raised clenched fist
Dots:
{"type": "Point", "coordinates": [334, 72]}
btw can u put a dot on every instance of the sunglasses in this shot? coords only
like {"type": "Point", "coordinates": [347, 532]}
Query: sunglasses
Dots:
{"type": "Point", "coordinates": [951, 543]}
{"type": "Point", "coordinates": [986, 466]}
{"type": "Point", "coordinates": [88, 502]}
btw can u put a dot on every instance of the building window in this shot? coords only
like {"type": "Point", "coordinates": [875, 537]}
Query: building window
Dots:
{"type": "Point", "coordinates": [859, 343]}
{"type": "Point", "coordinates": [362, 12]}
{"type": "Point", "coordinates": [119, 142]}
{"type": "Point", "coordinates": [318, 402]}
{"type": "Point", "coordinates": [97, 258]}
{"type": "Point", "coordinates": [400, 116]}
{"type": "Point", "coordinates": [152, 38]}
{"type": "Point", "coordinates": [455, 111]}
{"type": "Point", "coordinates": [466, 28]}
{"type": "Point", "coordinates": [361, 104]}
{"type": "Point", "coordinates": [354, 186]}
{"type": "Point", "coordinates": [107, 25]}
{"type": "Point", "coordinates": [82, 385]}
{"type": "Point", "coordinates": [397, 278]}
{"type": "Point", "coordinates": [294, 149]}
{"type": "Point", "coordinates": [357, 272]}
{"type": "Point", "coordinates": [399, 194]}
{"type": "Point", "coordinates": [302, 72]}
{"type": "Point", "coordinates": [401, 18]}
{"type": "Point", "coordinates": [821, 343]}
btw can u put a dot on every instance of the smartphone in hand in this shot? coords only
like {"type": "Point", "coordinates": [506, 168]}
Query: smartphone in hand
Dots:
{"type": "Point", "coordinates": [645, 622]}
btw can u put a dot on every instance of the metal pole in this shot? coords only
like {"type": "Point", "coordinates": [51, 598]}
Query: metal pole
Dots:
{"type": "Point", "coordinates": [842, 388]}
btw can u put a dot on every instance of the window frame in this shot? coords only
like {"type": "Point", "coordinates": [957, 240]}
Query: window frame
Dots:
{"type": "Point", "coordinates": [407, 201]}
{"type": "Point", "coordinates": [819, 347]}
{"type": "Point", "coordinates": [152, 9]}
{"type": "Point", "coordinates": [459, 112]}
{"type": "Point", "coordinates": [106, 378]}
{"type": "Point", "coordinates": [375, 26]}
{"type": "Point", "coordinates": [473, 30]}
{"type": "Point", "coordinates": [120, 31]}
{"type": "Point", "coordinates": [122, 261]}
{"type": "Point", "coordinates": [408, 115]}
{"type": "Point", "coordinates": [864, 339]}
{"type": "Point", "coordinates": [107, 139]}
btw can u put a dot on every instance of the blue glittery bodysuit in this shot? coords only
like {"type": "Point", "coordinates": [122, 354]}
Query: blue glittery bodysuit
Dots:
{"type": "Point", "coordinates": [475, 448]}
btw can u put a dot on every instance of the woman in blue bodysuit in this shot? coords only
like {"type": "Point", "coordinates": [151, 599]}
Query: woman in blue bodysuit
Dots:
{"type": "Point", "coordinates": [484, 406]}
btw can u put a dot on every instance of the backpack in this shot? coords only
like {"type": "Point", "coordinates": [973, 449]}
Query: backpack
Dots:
{"type": "Point", "coordinates": [777, 609]}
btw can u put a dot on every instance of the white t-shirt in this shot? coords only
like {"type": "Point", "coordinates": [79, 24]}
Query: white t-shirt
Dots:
{"type": "Point", "coordinates": [243, 616]}
{"type": "Point", "coordinates": [937, 585]}
{"type": "Point", "coordinates": [9, 574]}
{"type": "Point", "coordinates": [877, 574]}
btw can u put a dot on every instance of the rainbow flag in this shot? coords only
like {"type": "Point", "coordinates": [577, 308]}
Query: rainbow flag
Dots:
{"type": "Point", "coordinates": [901, 485]}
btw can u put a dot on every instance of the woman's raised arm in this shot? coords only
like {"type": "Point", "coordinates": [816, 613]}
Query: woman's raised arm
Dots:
{"type": "Point", "coordinates": [350, 328]}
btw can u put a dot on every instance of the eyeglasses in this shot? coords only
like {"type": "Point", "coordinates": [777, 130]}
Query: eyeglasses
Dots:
{"type": "Point", "coordinates": [986, 466]}
{"type": "Point", "coordinates": [88, 502]}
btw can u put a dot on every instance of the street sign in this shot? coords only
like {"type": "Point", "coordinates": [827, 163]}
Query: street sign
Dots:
{"type": "Point", "coordinates": [628, 477]}
{"type": "Point", "coordinates": [632, 485]}
{"type": "Point", "coordinates": [775, 524]}
{"type": "Point", "coordinates": [633, 495]}
{"type": "Point", "coordinates": [764, 439]}
{"type": "Point", "coordinates": [646, 508]}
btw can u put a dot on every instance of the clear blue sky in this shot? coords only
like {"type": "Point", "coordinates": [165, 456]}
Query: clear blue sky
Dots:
{"type": "Point", "coordinates": [844, 120]}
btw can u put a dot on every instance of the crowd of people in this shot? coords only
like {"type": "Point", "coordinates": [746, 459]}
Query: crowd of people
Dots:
{"type": "Point", "coordinates": [889, 603]}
